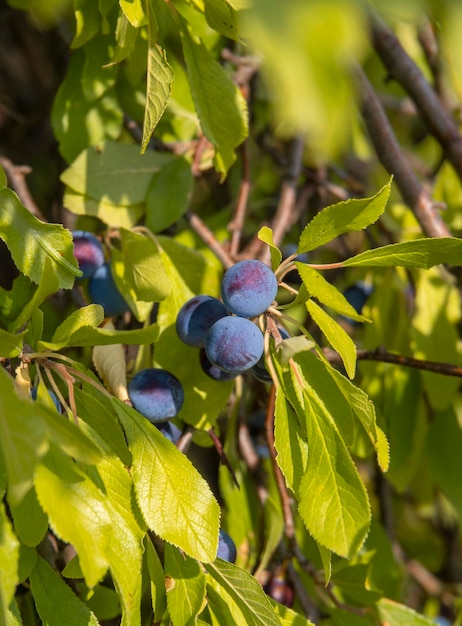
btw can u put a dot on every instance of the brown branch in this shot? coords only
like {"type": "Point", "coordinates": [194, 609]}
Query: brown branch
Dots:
{"type": "Point", "coordinates": [403, 69]}
{"type": "Point", "coordinates": [207, 236]}
{"type": "Point", "coordinates": [237, 223]}
{"type": "Point", "coordinates": [394, 161]}
{"type": "Point", "coordinates": [222, 454]}
{"type": "Point", "coordinates": [17, 178]}
{"type": "Point", "coordinates": [382, 355]}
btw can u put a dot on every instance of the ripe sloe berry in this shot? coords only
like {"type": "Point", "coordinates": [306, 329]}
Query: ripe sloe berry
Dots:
{"type": "Point", "coordinates": [156, 394]}
{"type": "Point", "coordinates": [88, 251]}
{"type": "Point", "coordinates": [226, 547]}
{"type": "Point", "coordinates": [357, 295]}
{"type": "Point", "coordinates": [103, 291]}
{"type": "Point", "coordinates": [234, 344]}
{"type": "Point", "coordinates": [213, 370]}
{"type": "Point", "coordinates": [248, 288]}
{"type": "Point", "coordinates": [169, 430]}
{"type": "Point", "coordinates": [196, 317]}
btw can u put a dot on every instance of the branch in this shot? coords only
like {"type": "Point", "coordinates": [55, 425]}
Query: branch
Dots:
{"type": "Point", "coordinates": [403, 69]}
{"type": "Point", "coordinates": [394, 161]}
{"type": "Point", "coordinates": [17, 178]}
{"type": "Point", "coordinates": [208, 238]}
{"type": "Point", "coordinates": [237, 223]}
{"type": "Point", "coordinates": [382, 355]}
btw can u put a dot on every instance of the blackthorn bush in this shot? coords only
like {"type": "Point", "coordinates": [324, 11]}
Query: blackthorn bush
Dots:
{"type": "Point", "coordinates": [234, 344]}
{"type": "Point", "coordinates": [156, 394]}
{"type": "Point", "coordinates": [226, 547]}
{"type": "Point", "coordinates": [103, 290]}
{"type": "Point", "coordinates": [196, 317]}
{"type": "Point", "coordinates": [248, 288]}
{"type": "Point", "coordinates": [88, 251]}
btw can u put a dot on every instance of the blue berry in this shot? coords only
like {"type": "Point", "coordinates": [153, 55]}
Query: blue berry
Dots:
{"type": "Point", "coordinates": [357, 295]}
{"type": "Point", "coordinates": [103, 291]}
{"type": "Point", "coordinates": [234, 344]}
{"type": "Point", "coordinates": [33, 393]}
{"type": "Point", "coordinates": [156, 394]}
{"type": "Point", "coordinates": [213, 371]}
{"type": "Point", "coordinates": [226, 547]}
{"type": "Point", "coordinates": [88, 251]}
{"type": "Point", "coordinates": [196, 317]}
{"type": "Point", "coordinates": [169, 430]}
{"type": "Point", "coordinates": [248, 288]}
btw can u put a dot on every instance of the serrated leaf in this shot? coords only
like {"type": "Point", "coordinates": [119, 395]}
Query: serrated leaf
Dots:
{"type": "Point", "coordinates": [30, 522]}
{"type": "Point", "coordinates": [109, 362]}
{"type": "Point", "coordinates": [133, 10]}
{"type": "Point", "coordinates": [9, 555]}
{"type": "Point", "coordinates": [175, 500]}
{"type": "Point", "coordinates": [222, 17]}
{"type": "Point", "coordinates": [23, 438]}
{"type": "Point", "coordinates": [185, 584]}
{"type": "Point", "coordinates": [111, 214]}
{"type": "Point", "coordinates": [32, 242]}
{"type": "Point", "coordinates": [266, 234]}
{"type": "Point", "coordinates": [157, 580]}
{"type": "Point", "coordinates": [114, 173]}
{"type": "Point", "coordinates": [338, 338]}
{"type": "Point", "coordinates": [241, 596]}
{"type": "Point", "coordinates": [423, 253]}
{"type": "Point", "coordinates": [219, 104]}
{"type": "Point", "coordinates": [10, 343]}
{"type": "Point", "coordinates": [168, 195]}
{"type": "Point", "coordinates": [56, 603]}
{"type": "Point", "coordinates": [343, 217]}
{"type": "Point", "coordinates": [289, 617]}
{"type": "Point", "coordinates": [144, 271]}
{"type": "Point", "coordinates": [76, 510]}
{"type": "Point", "coordinates": [159, 81]}
{"type": "Point", "coordinates": [80, 329]}
{"type": "Point", "coordinates": [395, 614]}
{"type": "Point", "coordinates": [318, 287]}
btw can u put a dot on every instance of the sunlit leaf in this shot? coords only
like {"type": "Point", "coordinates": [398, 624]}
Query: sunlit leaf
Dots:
{"type": "Point", "coordinates": [185, 584]}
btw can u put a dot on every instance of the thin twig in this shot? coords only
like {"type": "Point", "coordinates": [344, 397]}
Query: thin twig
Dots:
{"type": "Point", "coordinates": [432, 110]}
{"type": "Point", "coordinates": [207, 236]}
{"type": "Point", "coordinates": [222, 454]}
{"type": "Point", "coordinates": [394, 161]}
{"type": "Point", "coordinates": [237, 223]}
{"type": "Point", "coordinates": [17, 178]}
{"type": "Point", "coordinates": [382, 355]}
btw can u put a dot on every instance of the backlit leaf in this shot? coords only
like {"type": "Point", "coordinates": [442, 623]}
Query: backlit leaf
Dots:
{"type": "Point", "coordinates": [133, 10]}
{"type": "Point", "coordinates": [395, 614]}
{"type": "Point", "coordinates": [9, 554]}
{"type": "Point", "coordinates": [112, 214]}
{"type": "Point", "coordinates": [266, 234]}
{"type": "Point", "coordinates": [185, 583]}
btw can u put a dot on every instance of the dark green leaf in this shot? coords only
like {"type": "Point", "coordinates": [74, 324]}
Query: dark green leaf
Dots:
{"type": "Point", "coordinates": [168, 195]}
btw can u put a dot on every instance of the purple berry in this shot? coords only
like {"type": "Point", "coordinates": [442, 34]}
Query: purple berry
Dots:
{"type": "Point", "coordinates": [234, 344]}
{"type": "Point", "coordinates": [104, 291]}
{"type": "Point", "coordinates": [196, 317]}
{"type": "Point", "coordinates": [226, 547]}
{"type": "Point", "coordinates": [213, 370]}
{"type": "Point", "coordinates": [156, 394]}
{"type": "Point", "coordinates": [248, 288]}
{"type": "Point", "coordinates": [88, 251]}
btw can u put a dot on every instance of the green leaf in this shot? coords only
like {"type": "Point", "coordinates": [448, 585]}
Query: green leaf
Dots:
{"type": "Point", "coordinates": [169, 194]}
{"type": "Point", "coordinates": [274, 529]}
{"type": "Point", "coordinates": [22, 438]}
{"type": "Point", "coordinates": [219, 104]}
{"type": "Point", "coordinates": [114, 173]}
{"type": "Point", "coordinates": [56, 603]}
{"type": "Point", "coordinates": [126, 35]}
{"type": "Point", "coordinates": [395, 614]}
{"type": "Point", "coordinates": [77, 511]}
{"type": "Point", "coordinates": [423, 253]}
{"type": "Point", "coordinates": [266, 234]}
{"type": "Point", "coordinates": [318, 287]}
{"type": "Point", "coordinates": [80, 329]}
{"type": "Point", "coordinates": [175, 500]}
{"type": "Point", "coordinates": [96, 80]}
{"type": "Point", "coordinates": [159, 80]}
{"type": "Point", "coordinates": [10, 343]}
{"type": "Point", "coordinates": [87, 18]}
{"type": "Point", "coordinates": [133, 10]}
{"type": "Point", "coordinates": [144, 271]}
{"type": "Point", "coordinates": [343, 217]}
{"type": "Point", "coordinates": [32, 242]}
{"type": "Point", "coordinates": [30, 522]}
{"type": "Point", "coordinates": [157, 580]}
{"type": "Point", "coordinates": [185, 583]}
{"type": "Point", "coordinates": [239, 597]}
{"type": "Point", "coordinates": [112, 214]}
{"type": "Point", "coordinates": [222, 17]}
{"type": "Point", "coordinates": [338, 338]}
{"type": "Point", "coordinates": [3, 178]}
{"type": "Point", "coordinates": [9, 555]}
{"type": "Point", "coordinates": [443, 449]}
{"type": "Point", "coordinates": [288, 617]}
